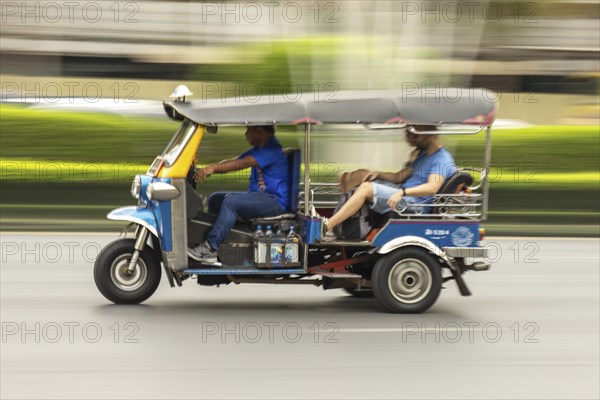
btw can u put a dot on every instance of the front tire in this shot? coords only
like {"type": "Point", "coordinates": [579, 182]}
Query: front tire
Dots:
{"type": "Point", "coordinates": [113, 281]}
{"type": "Point", "coordinates": [409, 280]}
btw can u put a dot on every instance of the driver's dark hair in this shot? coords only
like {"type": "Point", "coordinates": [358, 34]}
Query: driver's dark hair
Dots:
{"type": "Point", "coordinates": [270, 129]}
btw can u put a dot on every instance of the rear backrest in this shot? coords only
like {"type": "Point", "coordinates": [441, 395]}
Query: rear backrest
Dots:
{"type": "Point", "coordinates": [294, 161]}
{"type": "Point", "coordinates": [456, 183]}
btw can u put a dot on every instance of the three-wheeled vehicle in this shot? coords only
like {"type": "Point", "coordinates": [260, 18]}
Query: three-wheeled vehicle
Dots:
{"type": "Point", "coordinates": [404, 260]}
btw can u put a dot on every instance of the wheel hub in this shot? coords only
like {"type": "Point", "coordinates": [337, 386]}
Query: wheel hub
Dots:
{"type": "Point", "coordinates": [123, 278]}
{"type": "Point", "coordinates": [410, 280]}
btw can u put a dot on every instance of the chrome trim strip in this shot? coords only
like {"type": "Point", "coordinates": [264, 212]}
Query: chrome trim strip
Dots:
{"type": "Point", "coordinates": [470, 252]}
{"type": "Point", "coordinates": [412, 129]}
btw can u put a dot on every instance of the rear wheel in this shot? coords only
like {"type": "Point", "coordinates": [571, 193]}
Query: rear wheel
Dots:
{"type": "Point", "coordinates": [408, 280]}
{"type": "Point", "coordinates": [112, 277]}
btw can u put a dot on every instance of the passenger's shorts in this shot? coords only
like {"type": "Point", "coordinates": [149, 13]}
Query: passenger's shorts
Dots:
{"type": "Point", "coordinates": [382, 191]}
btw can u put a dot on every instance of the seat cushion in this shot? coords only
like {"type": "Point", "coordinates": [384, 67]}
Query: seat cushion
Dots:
{"type": "Point", "coordinates": [294, 164]}
{"type": "Point", "coordinates": [456, 183]}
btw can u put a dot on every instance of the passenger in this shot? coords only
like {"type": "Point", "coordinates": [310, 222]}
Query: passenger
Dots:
{"type": "Point", "coordinates": [349, 180]}
{"type": "Point", "coordinates": [422, 178]}
{"type": "Point", "coordinates": [267, 195]}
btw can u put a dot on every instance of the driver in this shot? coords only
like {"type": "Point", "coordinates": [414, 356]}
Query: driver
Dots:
{"type": "Point", "coordinates": [267, 195]}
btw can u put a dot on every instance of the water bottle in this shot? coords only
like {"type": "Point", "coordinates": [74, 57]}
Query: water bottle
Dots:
{"type": "Point", "coordinates": [291, 234]}
{"type": "Point", "coordinates": [279, 234]}
{"type": "Point", "coordinates": [259, 234]}
{"type": "Point", "coordinates": [260, 248]}
{"type": "Point", "coordinates": [269, 233]}
{"type": "Point", "coordinates": [291, 247]}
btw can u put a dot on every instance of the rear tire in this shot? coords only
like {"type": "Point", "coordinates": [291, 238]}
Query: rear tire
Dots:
{"type": "Point", "coordinates": [111, 278]}
{"type": "Point", "coordinates": [409, 280]}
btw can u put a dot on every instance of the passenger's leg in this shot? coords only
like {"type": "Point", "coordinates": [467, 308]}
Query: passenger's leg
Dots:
{"type": "Point", "coordinates": [349, 180]}
{"type": "Point", "coordinates": [363, 193]}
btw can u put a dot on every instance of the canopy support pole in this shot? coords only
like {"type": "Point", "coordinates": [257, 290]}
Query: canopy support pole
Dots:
{"type": "Point", "coordinates": [307, 205]}
{"type": "Point", "coordinates": [306, 169]}
{"type": "Point", "coordinates": [486, 168]}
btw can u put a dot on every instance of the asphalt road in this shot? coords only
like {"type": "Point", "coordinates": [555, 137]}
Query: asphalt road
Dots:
{"type": "Point", "coordinates": [530, 330]}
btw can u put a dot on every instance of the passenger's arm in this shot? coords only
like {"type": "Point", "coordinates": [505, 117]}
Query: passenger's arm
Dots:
{"type": "Point", "coordinates": [433, 185]}
{"type": "Point", "coordinates": [395, 177]}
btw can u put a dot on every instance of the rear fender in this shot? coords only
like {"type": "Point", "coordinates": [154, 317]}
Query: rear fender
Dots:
{"type": "Point", "coordinates": [414, 241]}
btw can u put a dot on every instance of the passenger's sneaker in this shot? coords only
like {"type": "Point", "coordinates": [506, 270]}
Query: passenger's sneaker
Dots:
{"type": "Point", "coordinates": [324, 228]}
{"type": "Point", "coordinates": [203, 253]}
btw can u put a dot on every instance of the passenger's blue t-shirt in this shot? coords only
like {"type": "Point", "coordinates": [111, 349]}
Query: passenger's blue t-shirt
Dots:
{"type": "Point", "coordinates": [272, 175]}
{"type": "Point", "coordinates": [439, 163]}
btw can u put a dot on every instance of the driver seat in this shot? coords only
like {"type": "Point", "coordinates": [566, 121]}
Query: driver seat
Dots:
{"type": "Point", "coordinates": [294, 163]}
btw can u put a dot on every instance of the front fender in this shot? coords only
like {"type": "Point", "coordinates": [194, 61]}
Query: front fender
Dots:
{"type": "Point", "coordinates": [138, 215]}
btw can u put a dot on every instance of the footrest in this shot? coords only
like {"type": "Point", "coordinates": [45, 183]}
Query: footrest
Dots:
{"type": "Point", "coordinates": [267, 220]}
{"type": "Point", "coordinates": [478, 266]}
{"type": "Point", "coordinates": [243, 271]}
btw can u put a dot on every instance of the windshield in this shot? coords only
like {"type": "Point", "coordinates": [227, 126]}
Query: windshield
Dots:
{"type": "Point", "coordinates": [180, 139]}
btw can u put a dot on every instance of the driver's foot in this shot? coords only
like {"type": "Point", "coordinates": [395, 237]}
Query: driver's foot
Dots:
{"type": "Point", "coordinates": [203, 253]}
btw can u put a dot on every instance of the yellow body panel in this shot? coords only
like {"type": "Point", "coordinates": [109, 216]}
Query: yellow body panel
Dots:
{"type": "Point", "coordinates": [181, 167]}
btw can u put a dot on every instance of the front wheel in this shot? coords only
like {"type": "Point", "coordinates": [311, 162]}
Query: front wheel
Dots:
{"type": "Point", "coordinates": [408, 280]}
{"type": "Point", "coordinates": [112, 277]}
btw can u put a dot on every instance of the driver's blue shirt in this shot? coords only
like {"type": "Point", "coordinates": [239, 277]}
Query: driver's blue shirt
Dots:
{"type": "Point", "coordinates": [272, 174]}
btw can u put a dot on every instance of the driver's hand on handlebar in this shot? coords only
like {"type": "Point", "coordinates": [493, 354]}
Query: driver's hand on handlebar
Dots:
{"type": "Point", "coordinates": [202, 174]}
{"type": "Point", "coordinates": [371, 176]}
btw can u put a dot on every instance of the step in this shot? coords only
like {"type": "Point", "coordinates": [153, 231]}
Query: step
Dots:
{"type": "Point", "coordinates": [244, 271]}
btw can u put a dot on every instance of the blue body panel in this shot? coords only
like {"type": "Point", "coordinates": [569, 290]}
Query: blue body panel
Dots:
{"type": "Point", "coordinates": [311, 229]}
{"type": "Point", "coordinates": [162, 211]}
{"type": "Point", "coordinates": [155, 214]}
{"type": "Point", "coordinates": [440, 233]}
{"type": "Point", "coordinates": [139, 215]}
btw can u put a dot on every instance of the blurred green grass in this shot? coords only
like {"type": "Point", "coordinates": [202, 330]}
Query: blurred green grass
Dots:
{"type": "Point", "coordinates": [69, 171]}
{"type": "Point", "coordinates": [117, 145]}
{"type": "Point", "coordinates": [66, 170]}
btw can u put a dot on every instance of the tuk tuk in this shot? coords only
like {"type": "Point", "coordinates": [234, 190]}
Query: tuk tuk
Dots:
{"type": "Point", "coordinates": [404, 260]}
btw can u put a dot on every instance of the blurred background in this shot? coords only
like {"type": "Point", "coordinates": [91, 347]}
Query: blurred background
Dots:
{"type": "Point", "coordinates": [81, 85]}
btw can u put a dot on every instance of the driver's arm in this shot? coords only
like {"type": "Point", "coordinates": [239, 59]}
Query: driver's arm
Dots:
{"type": "Point", "coordinates": [231, 165]}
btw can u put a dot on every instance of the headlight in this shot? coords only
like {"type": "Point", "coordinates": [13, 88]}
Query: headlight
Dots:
{"type": "Point", "coordinates": [136, 186]}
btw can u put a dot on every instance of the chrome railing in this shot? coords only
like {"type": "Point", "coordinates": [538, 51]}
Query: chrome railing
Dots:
{"type": "Point", "coordinates": [466, 204]}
